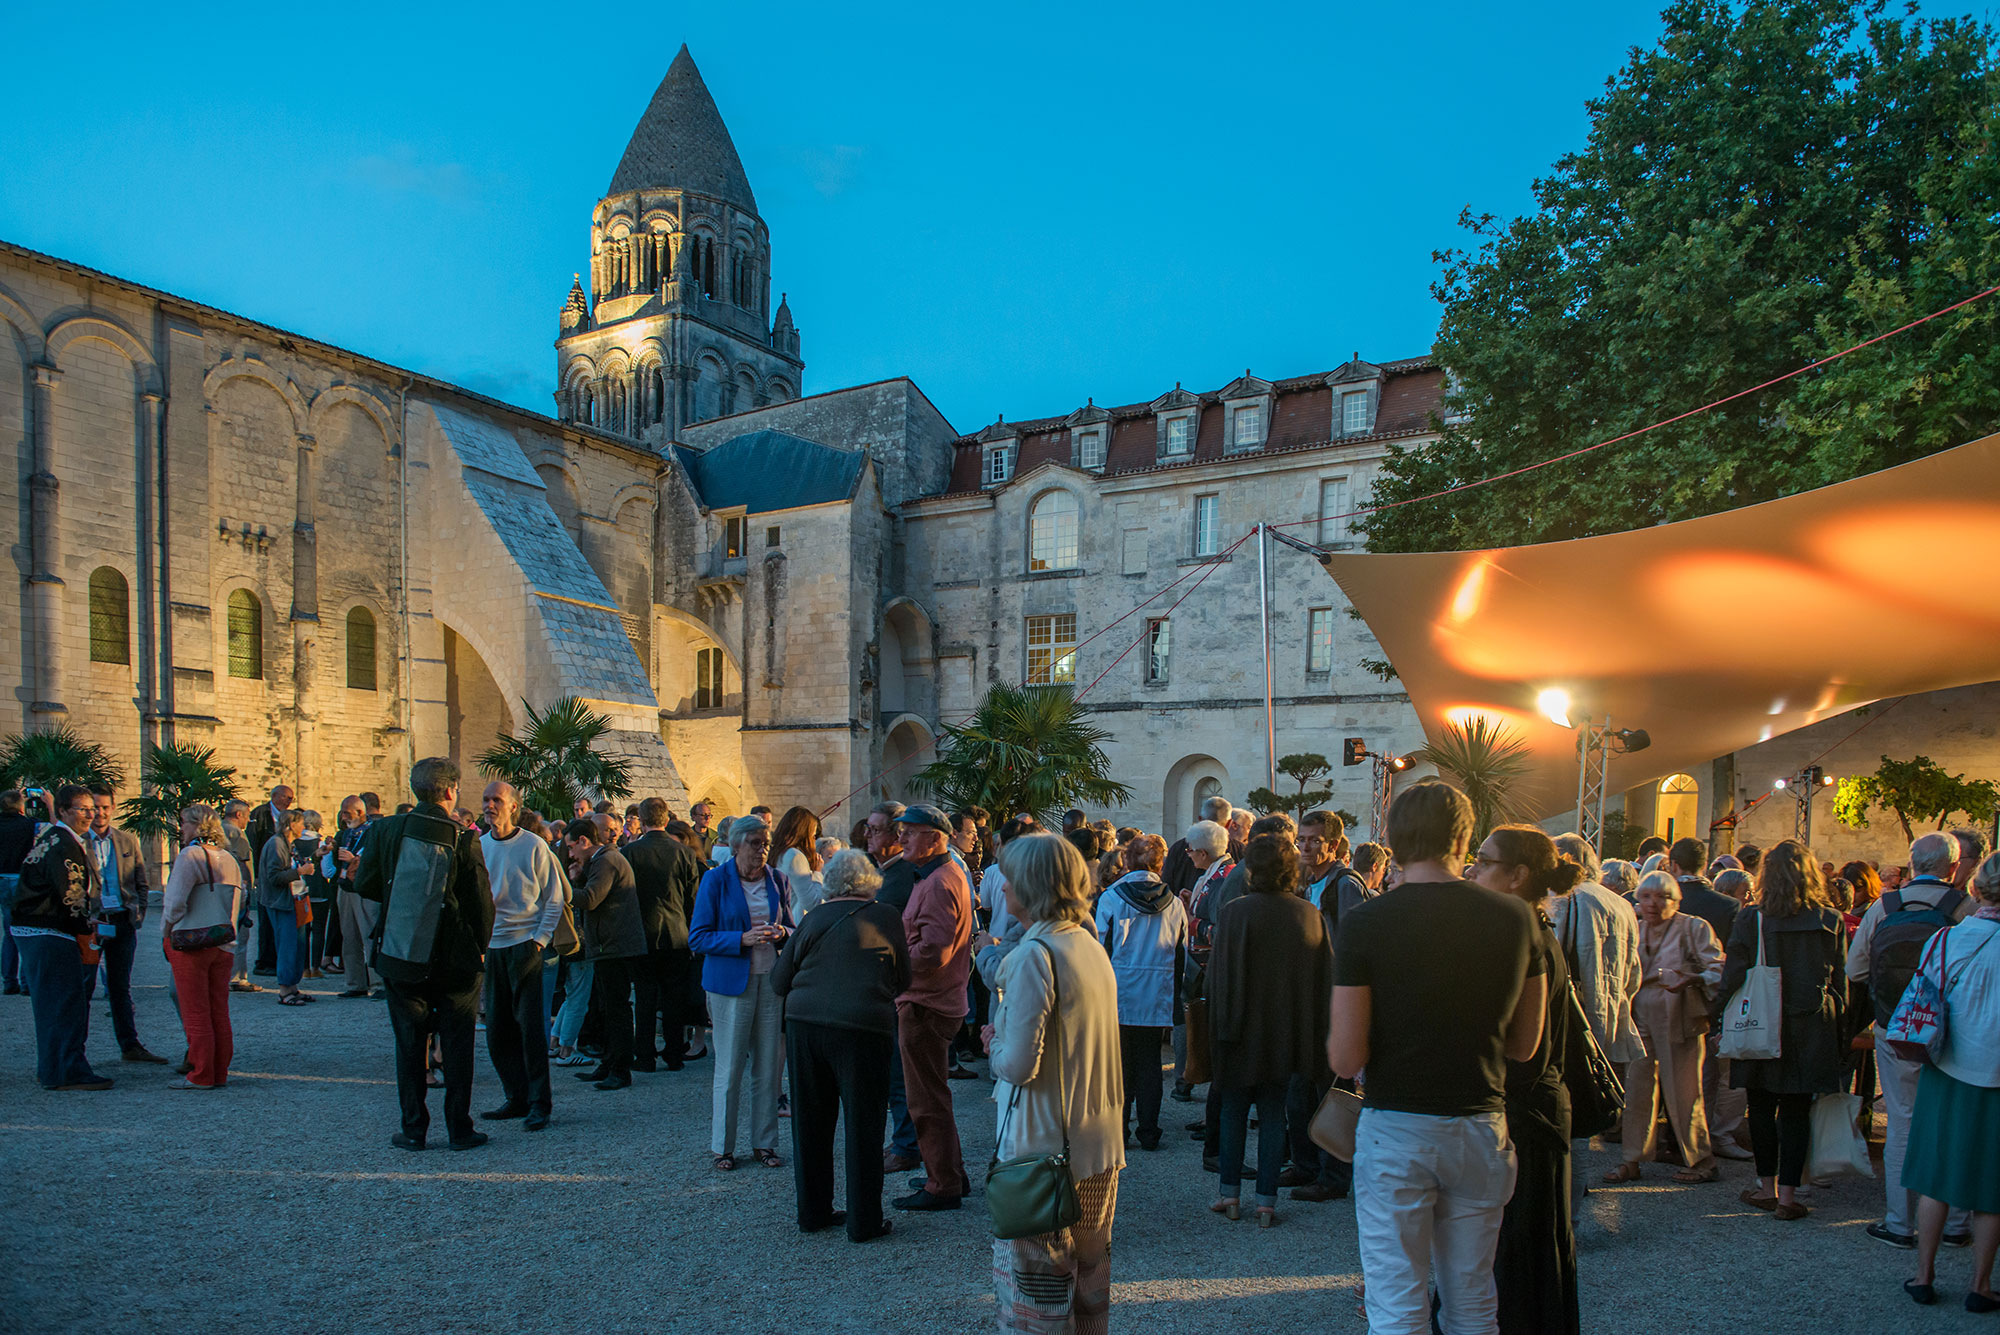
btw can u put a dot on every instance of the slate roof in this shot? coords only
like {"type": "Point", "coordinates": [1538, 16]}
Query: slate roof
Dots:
{"type": "Point", "coordinates": [770, 470]}
{"type": "Point", "coordinates": [682, 144]}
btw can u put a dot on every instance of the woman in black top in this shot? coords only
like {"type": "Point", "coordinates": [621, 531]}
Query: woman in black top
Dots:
{"type": "Point", "coordinates": [839, 975]}
{"type": "Point", "coordinates": [1534, 1268]}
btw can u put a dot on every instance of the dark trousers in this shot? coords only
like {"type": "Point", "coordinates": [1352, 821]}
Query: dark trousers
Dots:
{"type": "Point", "coordinates": [119, 949]}
{"type": "Point", "coordinates": [314, 933]}
{"type": "Point", "coordinates": [1780, 1131]}
{"type": "Point", "coordinates": [55, 977]}
{"type": "Point", "coordinates": [516, 1034]}
{"type": "Point", "coordinates": [925, 1037]}
{"type": "Point", "coordinates": [1269, 1099]}
{"type": "Point", "coordinates": [1211, 1136]}
{"type": "Point", "coordinates": [448, 1009]}
{"type": "Point", "coordinates": [611, 983]}
{"type": "Point", "coordinates": [267, 941]}
{"type": "Point", "coordinates": [10, 954]}
{"type": "Point", "coordinates": [835, 1074]}
{"type": "Point", "coordinates": [659, 1000]}
{"type": "Point", "coordinates": [1139, 1054]}
{"type": "Point", "coordinates": [1302, 1099]}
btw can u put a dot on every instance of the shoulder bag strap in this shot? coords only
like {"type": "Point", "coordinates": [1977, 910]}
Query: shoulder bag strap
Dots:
{"type": "Point", "coordinates": [1062, 1076]}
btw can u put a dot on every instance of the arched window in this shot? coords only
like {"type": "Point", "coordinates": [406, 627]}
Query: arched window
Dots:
{"type": "Point", "coordinates": [360, 650]}
{"type": "Point", "coordinates": [246, 635]}
{"type": "Point", "coordinates": [618, 406]}
{"type": "Point", "coordinates": [659, 395]}
{"type": "Point", "coordinates": [110, 617]}
{"type": "Point", "coordinates": [1052, 532]}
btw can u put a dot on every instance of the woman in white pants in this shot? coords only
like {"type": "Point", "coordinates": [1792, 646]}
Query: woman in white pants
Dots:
{"type": "Point", "coordinates": [742, 915]}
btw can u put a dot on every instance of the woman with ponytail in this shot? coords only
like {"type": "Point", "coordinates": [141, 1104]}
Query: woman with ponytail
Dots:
{"type": "Point", "coordinates": [1534, 1268]}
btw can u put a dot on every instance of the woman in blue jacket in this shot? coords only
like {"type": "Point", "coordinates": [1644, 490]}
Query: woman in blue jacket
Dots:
{"type": "Point", "coordinates": [742, 915]}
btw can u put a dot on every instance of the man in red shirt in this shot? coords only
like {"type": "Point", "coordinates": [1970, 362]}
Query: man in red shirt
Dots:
{"type": "Point", "coordinates": [938, 923]}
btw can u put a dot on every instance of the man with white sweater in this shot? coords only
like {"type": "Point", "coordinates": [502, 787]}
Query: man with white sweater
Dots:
{"type": "Point", "coordinates": [529, 888]}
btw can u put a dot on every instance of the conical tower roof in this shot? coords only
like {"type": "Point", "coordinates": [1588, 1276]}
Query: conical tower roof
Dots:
{"type": "Point", "coordinates": [682, 144]}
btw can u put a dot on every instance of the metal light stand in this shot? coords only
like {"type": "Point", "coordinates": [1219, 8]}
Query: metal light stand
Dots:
{"type": "Point", "coordinates": [1387, 766]}
{"type": "Point", "coordinates": [1592, 753]}
{"type": "Point", "coordinates": [1805, 786]}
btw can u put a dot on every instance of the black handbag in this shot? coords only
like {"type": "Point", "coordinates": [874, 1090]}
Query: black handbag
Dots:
{"type": "Point", "coordinates": [1035, 1193]}
{"type": "Point", "coordinates": [1596, 1090]}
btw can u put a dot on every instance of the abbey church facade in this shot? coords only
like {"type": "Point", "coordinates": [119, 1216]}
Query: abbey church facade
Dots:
{"type": "Point", "coordinates": [324, 566]}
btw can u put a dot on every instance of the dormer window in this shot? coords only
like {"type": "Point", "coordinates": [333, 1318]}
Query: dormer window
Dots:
{"type": "Point", "coordinates": [996, 465]}
{"type": "Point", "coordinates": [1090, 448]}
{"type": "Point", "coordinates": [1354, 412]}
{"type": "Point", "coordinates": [1180, 435]}
{"type": "Point", "coordinates": [1246, 427]}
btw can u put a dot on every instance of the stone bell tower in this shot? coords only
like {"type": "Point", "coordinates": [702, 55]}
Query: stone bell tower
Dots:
{"type": "Point", "coordinates": [677, 325]}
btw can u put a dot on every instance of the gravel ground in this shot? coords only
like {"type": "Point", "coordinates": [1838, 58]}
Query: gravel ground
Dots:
{"type": "Point", "coordinates": [277, 1205]}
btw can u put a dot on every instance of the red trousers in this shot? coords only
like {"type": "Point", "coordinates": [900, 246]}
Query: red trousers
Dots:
{"type": "Point", "coordinates": [925, 1036]}
{"type": "Point", "coordinates": [202, 979]}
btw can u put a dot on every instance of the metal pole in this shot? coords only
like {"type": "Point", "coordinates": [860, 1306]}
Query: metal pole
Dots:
{"type": "Point", "coordinates": [1603, 779]}
{"type": "Point", "coordinates": [1582, 772]}
{"type": "Point", "coordinates": [1264, 609]}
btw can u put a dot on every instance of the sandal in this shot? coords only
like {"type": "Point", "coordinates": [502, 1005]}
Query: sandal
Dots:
{"type": "Point", "coordinates": [1750, 1197]}
{"type": "Point", "coordinates": [295, 999]}
{"type": "Point", "coordinates": [725, 1163]}
{"type": "Point", "coordinates": [769, 1158]}
{"type": "Point", "coordinates": [245, 987]}
{"type": "Point", "coordinates": [1691, 1176]}
{"type": "Point", "coordinates": [1229, 1207]}
{"type": "Point", "coordinates": [1625, 1172]}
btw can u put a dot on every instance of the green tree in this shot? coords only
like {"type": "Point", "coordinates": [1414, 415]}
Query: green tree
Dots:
{"type": "Point", "coordinates": [1301, 768]}
{"type": "Point", "coordinates": [1027, 748]}
{"type": "Point", "coordinates": [176, 776]}
{"type": "Point", "coordinates": [1915, 792]}
{"type": "Point", "coordinates": [1774, 181]}
{"type": "Point", "coordinates": [50, 757]}
{"type": "Point", "coordinates": [1487, 760]}
{"type": "Point", "coordinates": [555, 761]}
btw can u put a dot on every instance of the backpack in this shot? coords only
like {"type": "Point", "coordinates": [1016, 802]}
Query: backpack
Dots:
{"type": "Point", "coordinates": [1898, 945]}
{"type": "Point", "coordinates": [406, 931]}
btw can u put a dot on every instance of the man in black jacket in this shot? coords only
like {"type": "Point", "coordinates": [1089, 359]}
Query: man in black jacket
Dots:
{"type": "Point", "coordinates": [422, 868]}
{"type": "Point", "coordinates": [264, 823]}
{"type": "Point", "coordinates": [17, 836]}
{"type": "Point", "coordinates": [57, 915]}
{"type": "Point", "coordinates": [666, 874]}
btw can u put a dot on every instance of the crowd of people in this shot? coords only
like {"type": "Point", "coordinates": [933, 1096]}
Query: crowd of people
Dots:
{"type": "Point", "coordinates": [1463, 990]}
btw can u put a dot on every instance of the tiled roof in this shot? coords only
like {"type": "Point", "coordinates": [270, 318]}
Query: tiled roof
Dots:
{"type": "Point", "coordinates": [770, 470]}
{"type": "Point", "coordinates": [682, 144]}
{"type": "Point", "coordinates": [482, 445]}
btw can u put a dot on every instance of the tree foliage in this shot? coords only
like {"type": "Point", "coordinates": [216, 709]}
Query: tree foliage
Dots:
{"type": "Point", "coordinates": [1301, 768]}
{"type": "Point", "coordinates": [1915, 792]}
{"type": "Point", "coordinates": [1487, 760]}
{"type": "Point", "coordinates": [1027, 748]}
{"type": "Point", "coordinates": [176, 776]}
{"type": "Point", "coordinates": [1774, 181]}
{"type": "Point", "coordinates": [555, 761]}
{"type": "Point", "coordinates": [50, 757]}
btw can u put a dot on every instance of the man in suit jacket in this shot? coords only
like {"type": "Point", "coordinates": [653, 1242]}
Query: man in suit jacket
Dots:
{"type": "Point", "coordinates": [264, 823]}
{"type": "Point", "coordinates": [666, 874]}
{"type": "Point", "coordinates": [439, 995]}
{"type": "Point", "coordinates": [121, 866]}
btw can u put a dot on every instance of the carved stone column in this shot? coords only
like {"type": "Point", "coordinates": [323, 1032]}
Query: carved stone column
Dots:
{"type": "Point", "coordinates": [155, 663]}
{"type": "Point", "coordinates": [305, 623]}
{"type": "Point", "coordinates": [45, 585]}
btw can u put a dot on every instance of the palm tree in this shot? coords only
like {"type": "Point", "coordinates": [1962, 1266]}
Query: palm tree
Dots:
{"type": "Point", "coordinates": [176, 776]}
{"type": "Point", "coordinates": [1027, 748]}
{"type": "Point", "coordinates": [1488, 760]}
{"type": "Point", "coordinates": [50, 757]}
{"type": "Point", "coordinates": [552, 762]}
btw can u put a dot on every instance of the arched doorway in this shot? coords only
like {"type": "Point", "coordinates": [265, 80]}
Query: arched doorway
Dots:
{"type": "Point", "coordinates": [1191, 781]}
{"type": "Point", "coordinates": [1678, 809]}
{"type": "Point", "coordinates": [905, 752]}
{"type": "Point", "coordinates": [476, 712]}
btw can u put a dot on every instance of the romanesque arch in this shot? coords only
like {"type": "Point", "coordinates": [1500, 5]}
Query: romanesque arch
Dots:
{"type": "Point", "coordinates": [1190, 781]}
{"type": "Point", "coordinates": [249, 368]}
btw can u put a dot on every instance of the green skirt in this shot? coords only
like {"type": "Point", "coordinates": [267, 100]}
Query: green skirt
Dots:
{"type": "Point", "coordinates": [1953, 1155]}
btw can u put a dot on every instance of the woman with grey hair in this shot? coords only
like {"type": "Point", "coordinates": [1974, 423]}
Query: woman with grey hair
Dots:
{"type": "Point", "coordinates": [1207, 844]}
{"type": "Point", "coordinates": [1620, 878]}
{"type": "Point", "coordinates": [1577, 848]}
{"type": "Point", "coordinates": [1736, 883]}
{"type": "Point", "coordinates": [1680, 961]}
{"type": "Point", "coordinates": [742, 915]}
{"type": "Point", "coordinates": [839, 976]}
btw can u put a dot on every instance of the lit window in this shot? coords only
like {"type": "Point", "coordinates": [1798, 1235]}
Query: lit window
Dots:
{"type": "Point", "coordinates": [1354, 412]}
{"type": "Point", "coordinates": [1319, 639]}
{"type": "Point", "coordinates": [1332, 509]}
{"type": "Point", "coordinates": [360, 650]}
{"type": "Point", "coordinates": [1052, 650]}
{"type": "Point", "coordinates": [1177, 435]}
{"type": "Point", "coordinates": [996, 465]}
{"type": "Point", "coordinates": [246, 635]}
{"type": "Point", "coordinates": [1052, 532]}
{"type": "Point", "coordinates": [1207, 525]}
{"type": "Point", "coordinates": [1158, 637]}
{"type": "Point", "coordinates": [1090, 449]}
{"type": "Point", "coordinates": [110, 617]}
{"type": "Point", "coordinates": [1249, 426]}
{"type": "Point", "coordinates": [732, 537]}
{"type": "Point", "coordinates": [708, 679]}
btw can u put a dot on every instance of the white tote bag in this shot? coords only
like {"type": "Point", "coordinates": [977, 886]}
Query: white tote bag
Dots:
{"type": "Point", "coordinates": [1752, 1021]}
{"type": "Point", "coordinates": [1837, 1148]}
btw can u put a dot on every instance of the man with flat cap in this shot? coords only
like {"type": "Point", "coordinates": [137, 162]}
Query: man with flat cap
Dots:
{"type": "Point", "coordinates": [938, 923]}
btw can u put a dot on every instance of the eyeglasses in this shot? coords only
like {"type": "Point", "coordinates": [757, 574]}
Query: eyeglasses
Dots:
{"type": "Point", "coordinates": [1495, 862]}
{"type": "Point", "coordinates": [758, 841]}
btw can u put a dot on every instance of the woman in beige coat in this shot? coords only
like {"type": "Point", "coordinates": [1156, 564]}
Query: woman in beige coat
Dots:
{"type": "Point", "coordinates": [1057, 1070]}
{"type": "Point", "coordinates": [1680, 961]}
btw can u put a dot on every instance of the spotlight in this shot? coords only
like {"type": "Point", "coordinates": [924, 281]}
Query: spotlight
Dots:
{"type": "Point", "coordinates": [1780, 785]}
{"type": "Point", "coordinates": [1554, 704]}
{"type": "Point", "coordinates": [1399, 762]}
{"type": "Point", "coordinates": [1633, 739]}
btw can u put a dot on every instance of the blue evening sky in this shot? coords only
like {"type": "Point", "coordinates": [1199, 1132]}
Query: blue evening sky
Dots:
{"type": "Point", "coordinates": [1018, 206]}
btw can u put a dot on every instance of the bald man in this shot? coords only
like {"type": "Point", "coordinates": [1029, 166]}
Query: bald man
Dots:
{"type": "Point", "coordinates": [529, 886]}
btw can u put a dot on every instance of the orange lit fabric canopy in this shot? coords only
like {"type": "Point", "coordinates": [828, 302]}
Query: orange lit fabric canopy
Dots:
{"type": "Point", "coordinates": [1712, 634]}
